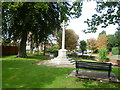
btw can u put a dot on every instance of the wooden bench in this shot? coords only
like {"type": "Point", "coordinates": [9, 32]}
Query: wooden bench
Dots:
{"type": "Point", "coordinates": [94, 66]}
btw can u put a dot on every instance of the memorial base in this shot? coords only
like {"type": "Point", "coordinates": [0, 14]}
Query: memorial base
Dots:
{"type": "Point", "coordinates": [61, 58]}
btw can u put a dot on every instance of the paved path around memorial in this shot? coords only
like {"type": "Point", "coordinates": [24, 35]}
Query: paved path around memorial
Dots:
{"type": "Point", "coordinates": [47, 63]}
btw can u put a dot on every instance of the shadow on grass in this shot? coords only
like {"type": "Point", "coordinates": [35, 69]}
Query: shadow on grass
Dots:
{"type": "Point", "coordinates": [30, 57]}
{"type": "Point", "coordinates": [39, 57]}
{"type": "Point", "coordinates": [24, 74]}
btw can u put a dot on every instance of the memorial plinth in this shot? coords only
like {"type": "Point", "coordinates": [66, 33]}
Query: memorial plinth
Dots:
{"type": "Point", "coordinates": [61, 58]}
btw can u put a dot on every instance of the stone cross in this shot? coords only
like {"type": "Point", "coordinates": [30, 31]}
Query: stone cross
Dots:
{"type": "Point", "coordinates": [63, 24]}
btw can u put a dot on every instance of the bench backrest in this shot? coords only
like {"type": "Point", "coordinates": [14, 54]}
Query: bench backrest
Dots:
{"type": "Point", "coordinates": [94, 65]}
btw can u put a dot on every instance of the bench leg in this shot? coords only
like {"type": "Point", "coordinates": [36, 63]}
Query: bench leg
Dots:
{"type": "Point", "coordinates": [76, 72]}
{"type": "Point", "coordinates": [109, 75]}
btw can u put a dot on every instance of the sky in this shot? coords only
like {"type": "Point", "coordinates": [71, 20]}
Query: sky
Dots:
{"type": "Point", "coordinates": [78, 24]}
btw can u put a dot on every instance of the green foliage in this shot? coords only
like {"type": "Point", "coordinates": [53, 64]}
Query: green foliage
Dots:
{"type": "Point", "coordinates": [54, 48]}
{"type": "Point", "coordinates": [78, 50]}
{"type": "Point", "coordinates": [36, 52]}
{"type": "Point", "coordinates": [83, 46]}
{"type": "Point", "coordinates": [103, 32]}
{"type": "Point", "coordinates": [39, 18]}
{"type": "Point", "coordinates": [108, 13]}
{"type": "Point", "coordinates": [116, 51]}
{"type": "Point", "coordinates": [5, 41]}
{"type": "Point", "coordinates": [103, 55]}
{"type": "Point", "coordinates": [41, 5]}
{"type": "Point", "coordinates": [113, 40]}
{"type": "Point", "coordinates": [117, 38]}
{"type": "Point", "coordinates": [96, 51]}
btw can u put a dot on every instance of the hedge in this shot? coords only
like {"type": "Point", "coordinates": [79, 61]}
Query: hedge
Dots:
{"type": "Point", "coordinates": [116, 51]}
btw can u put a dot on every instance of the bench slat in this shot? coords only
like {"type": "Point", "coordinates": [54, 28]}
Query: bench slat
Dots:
{"type": "Point", "coordinates": [88, 65]}
{"type": "Point", "coordinates": [93, 65]}
{"type": "Point", "coordinates": [93, 62]}
{"type": "Point", "coordinates": [95, 68]}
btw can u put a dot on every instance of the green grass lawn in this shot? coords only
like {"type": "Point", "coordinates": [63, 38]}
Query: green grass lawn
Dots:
{"type": "Point", "coordinates": [22, 73]}
{"type": "Point", "coordinates": [79, 59]}
{"type": "Point", "coordinates": [30, 57]}
{"type": "Point", "coordinates": [114, 56]}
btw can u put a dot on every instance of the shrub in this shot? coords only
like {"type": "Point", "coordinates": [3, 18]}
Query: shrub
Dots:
{"type": "Point", "coordinates": [103, 55]}
{"type": "Point", "coordinates": [53, 49]}
{"type": "Point", "coordinates": [116, 51]}
{"type": "Point", "coordinates": [74, 54]}
{"type": "Point", "coordinates": [96, 51]}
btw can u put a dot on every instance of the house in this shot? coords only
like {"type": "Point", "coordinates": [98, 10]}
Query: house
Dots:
{"type": "Point", "coordinates": [41, 46]}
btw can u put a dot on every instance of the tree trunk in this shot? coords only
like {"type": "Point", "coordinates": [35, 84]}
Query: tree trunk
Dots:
{"type": "Point", "coordinates": [22, 47]}
{"type": "Point", "coordinates": [82, 53]}
{"type": "Point", "coordinates": [31, 45]}
{"type": "Point", "coordinates": [31, 48]}
{"type": "Point", "coordinates": [37, 48]}
{"type": "Point", "coordinates": [44, 49]}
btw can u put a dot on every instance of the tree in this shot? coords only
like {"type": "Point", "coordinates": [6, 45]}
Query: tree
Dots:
{"type": "Point", "coordinates": [102, 41]}
{"type": "Point", "coordinates": [116, 51]}
{"type": "Point", "coordinates": [117, 39]}
{"type": "Point", "coordinates": [103, 55]}
{"type": "Point", "coordinates": [108, 13]}
{"type": "Point", "coordinates": [20, 21]}
{"type": "Point", "coordinates": [83, 46]}
{"type": "Point", "coordinates": [31, 40]}
{"type": "Point", "coordinates": [103, 32]}
{"type": "Point", "coordinates": [39, 18]}
{"type": "Point", "coordinates": [71, 39]}
{"type": "Point", "coordinates": [46, 42]}
{"type": "Point", "coordinates": [92, 44]}
{"type": "Point", "coordinates": [111, 42]}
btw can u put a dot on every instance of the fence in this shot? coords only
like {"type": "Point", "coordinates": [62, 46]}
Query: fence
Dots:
{"type": "Point", "coordinates": [9, 50]}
